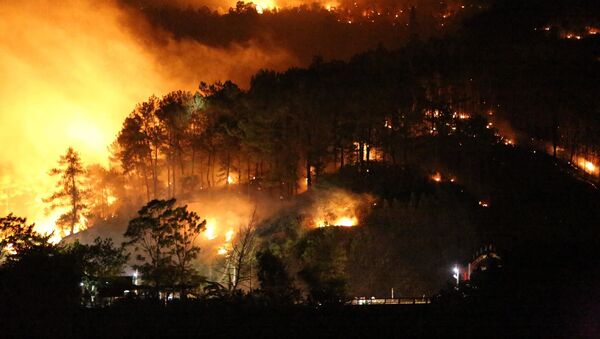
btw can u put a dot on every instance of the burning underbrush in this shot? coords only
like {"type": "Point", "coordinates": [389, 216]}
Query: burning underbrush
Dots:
{"type": "Point", "coordinates": [335, 207]}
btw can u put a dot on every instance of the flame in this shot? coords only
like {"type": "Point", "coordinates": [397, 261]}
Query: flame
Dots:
{"type": "Point", "coordinates": [264, 5]}
{"type": "Point", "coordinates": [69, 86]}
{"type": "Point", "coordinates": [230, 180]}
{"type": "Point", "coordinates": [211, 229]}
{"type": "Point", "coordinates": [346, 221]}
{"type": "Point", "coordinates": [211, 233]}
{"type": "Point", "coordinates": [229, 236]}
{"type": "Point", "coordinates": [341, 221]}
{"type": "Point", "coordinates": [111, 199]}
{"type": "Point", "coordinates": [337, 207]}
{"type": "Point", "coordinates": [587, 165]}
{"type": "Point", "coordinates": [437, 177]}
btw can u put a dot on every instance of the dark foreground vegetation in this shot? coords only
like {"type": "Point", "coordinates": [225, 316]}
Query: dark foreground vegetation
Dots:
{"type": "Point", "coordinates": [547, 286]}
{"type": "Point", "coordinates": [499, 319]}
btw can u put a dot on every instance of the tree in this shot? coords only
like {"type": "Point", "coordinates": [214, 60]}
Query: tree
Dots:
{"type": "Point", "coordinates": [174, 112]}
{"type": "Point", "coordinates": [238, 266]}
{"type": "Point", "coordinates": [16, 237]}
{"type": "Point", "coordinates": [275, 282]}
{"type": "Point", "coordinates": [165, 237]}
{"type": "Point", "coordinates": [132, 149]}
{"type": "Point", "coordinates": [72, 193]}
{"type": "Point", "coordinates": [185, 227]}
{"type": "Point", "coordinates": [99, 262]}
{"type": "Point", "coordinates": [101, 259]}
{"type": "Point", "coordinates": [323, 259]}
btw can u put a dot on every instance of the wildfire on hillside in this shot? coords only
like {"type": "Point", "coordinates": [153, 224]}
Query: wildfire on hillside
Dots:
{"type": "Point", "coordinates": [336, 207]}
{"type": "Point", "coordinates": [216, 235]}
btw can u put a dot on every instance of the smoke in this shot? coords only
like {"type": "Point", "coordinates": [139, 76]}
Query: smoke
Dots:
{"type": "Point", "coordinates": [68, 79]}
{"type": "Point", "coordinates": [72, 70]}
{"type": "Point", "coordinates": [336, 207]}
{"type": "Point", "coordinates": [225, 213]}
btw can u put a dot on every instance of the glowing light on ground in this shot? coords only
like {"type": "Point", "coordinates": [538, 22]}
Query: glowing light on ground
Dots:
{"type": "Point", "coordinates": [341, 221]}
{"type": "Point", "coordinates": [211, 229]}
{"type": "Point", "coordinates": [346, 221]}
{"type": "Point", "coordinates": [509, 142]}
{"type": "Point", "coordinates": [587, 165]}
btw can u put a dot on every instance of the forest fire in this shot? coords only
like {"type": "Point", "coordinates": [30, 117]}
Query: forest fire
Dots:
{"type": "Point", "coordinates": [212, 233]}
{"type": "Point", "coordinates": [285, 159]}
{"type": "Point", "coordinates": [335, 207]}
{"type": "Point", "coordinates": [587, 166]}
{"type": "Point", "coordinates": [226, 246]}
{"type": "Point", "coordinates": [341, 221]}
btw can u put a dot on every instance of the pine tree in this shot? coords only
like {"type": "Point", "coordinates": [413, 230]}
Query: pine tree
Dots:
{"type": "Point", "coordinates": [71, 192]}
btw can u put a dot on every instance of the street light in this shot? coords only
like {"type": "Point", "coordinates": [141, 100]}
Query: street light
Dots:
{"type": "Point", "coordinates": [456, 274]}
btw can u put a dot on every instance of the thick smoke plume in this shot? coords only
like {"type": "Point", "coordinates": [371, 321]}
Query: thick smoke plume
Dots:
{"type": "Point", "coordinates": [72, 71]}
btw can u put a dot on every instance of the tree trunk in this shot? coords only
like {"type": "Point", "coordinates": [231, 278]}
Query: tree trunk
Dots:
{"type": "Point", "coordinates": [308, 174]}
{"type": "Point", "coordinates": [193, 160]}
{"type": "Point", "coordinates": [145, 173]}
{"type": "Point", "coordinates": [155, 171]}
{"type": "Point", "coordinates": [228, 166]}
{"type": "Point", "coordinates": [208, 170]}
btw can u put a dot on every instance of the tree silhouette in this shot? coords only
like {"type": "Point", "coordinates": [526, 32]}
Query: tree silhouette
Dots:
{"type": "Point", "coordinates": [165, 235]}
{"type": "Point", "coordinates": [238, 266]}
{"type": "Point", "coordinates": [17, 237]}
{"type": "Point", "coordinates": [71, 192]}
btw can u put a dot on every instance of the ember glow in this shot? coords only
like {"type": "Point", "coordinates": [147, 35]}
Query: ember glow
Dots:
{"type": "Point", "coordinates": [588, 166]}
{"type": "Point", "coordinates": [216, 235]}
{"type": "Point", "coordinates": [342, 221]}
{"type": "Point", "coordinates": [338, 208]}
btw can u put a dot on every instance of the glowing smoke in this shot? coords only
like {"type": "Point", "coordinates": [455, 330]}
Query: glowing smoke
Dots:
{"type": "Point", "coordinates": [72, 70]}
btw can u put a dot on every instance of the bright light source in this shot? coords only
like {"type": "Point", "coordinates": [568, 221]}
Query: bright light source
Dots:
{"type": "Point", "coordinates": [590, 166]}
{"type": "Point", "coordinates": [229, 235]}
{"type": "Point", "coordinates": [456, 274]}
